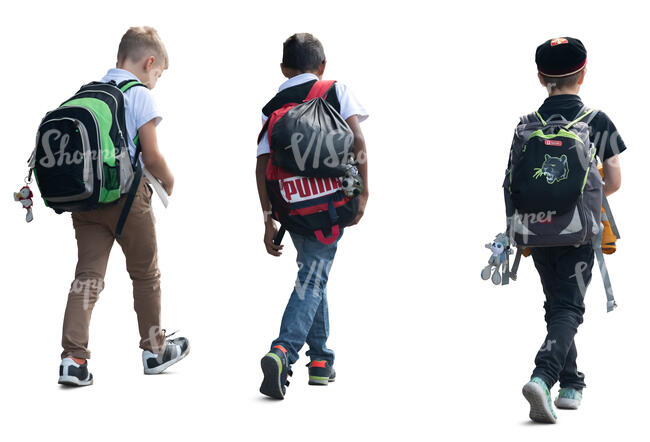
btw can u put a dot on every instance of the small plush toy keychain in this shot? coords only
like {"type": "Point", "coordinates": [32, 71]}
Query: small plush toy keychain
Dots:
{"type": "Point", "coordinates": [24, 196]}
{"type": "Point", "coordinates": [499, 261]}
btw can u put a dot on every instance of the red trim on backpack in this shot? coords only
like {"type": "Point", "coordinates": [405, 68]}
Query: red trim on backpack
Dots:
{"type": "Point", "coordinates": [321, 364]}
{"type": "Point", "coordinates": [317, 208]}
{"type": "Point", "coordinates": [330, 239]}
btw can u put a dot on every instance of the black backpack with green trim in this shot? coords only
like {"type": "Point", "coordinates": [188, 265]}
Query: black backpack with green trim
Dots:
{"type": "Point", "coordinates": [552, 188]}
{"type": "Point", "coordinates": [81, 160]}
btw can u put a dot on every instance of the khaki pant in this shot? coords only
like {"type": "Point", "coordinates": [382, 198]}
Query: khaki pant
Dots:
{"type": "Point", "coordinates": [95, 233]}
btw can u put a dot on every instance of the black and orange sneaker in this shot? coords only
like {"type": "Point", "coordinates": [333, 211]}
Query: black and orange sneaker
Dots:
{"type": "Point", "coordinates": [276, 369]}
{"type": "Point", "coordinates": [321, 373]}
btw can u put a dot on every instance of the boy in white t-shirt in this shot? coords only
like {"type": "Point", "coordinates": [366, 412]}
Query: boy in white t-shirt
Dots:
{"type": "Point", "coordinates": [306, 317]}
{"type": "Point", "coordinates": [142, 57]}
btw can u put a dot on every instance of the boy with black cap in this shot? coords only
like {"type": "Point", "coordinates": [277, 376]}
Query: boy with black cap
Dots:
{"type": "Point", "coordinates": [561, 64]}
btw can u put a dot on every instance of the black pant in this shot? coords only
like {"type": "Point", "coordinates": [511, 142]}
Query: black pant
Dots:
{"type": "Point", "coordinates": [565, 273]}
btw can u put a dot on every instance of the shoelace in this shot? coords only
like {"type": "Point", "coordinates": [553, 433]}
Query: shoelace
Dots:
{"type": "Point", "coordinates": [168, 336]}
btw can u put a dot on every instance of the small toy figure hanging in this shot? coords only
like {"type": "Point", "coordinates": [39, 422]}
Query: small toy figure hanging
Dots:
{"type": "Point", "coordinates": [24, 196]}
{"type": "Point", "coordinates": [499, 261]}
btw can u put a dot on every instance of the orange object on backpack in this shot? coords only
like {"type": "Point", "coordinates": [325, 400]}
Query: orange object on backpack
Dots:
{"type": "Point", "coordinates": [608, 243]}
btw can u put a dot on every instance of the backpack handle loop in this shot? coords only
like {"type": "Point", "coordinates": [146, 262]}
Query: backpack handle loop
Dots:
{"type": "Point", "coordinates": [330, 239]}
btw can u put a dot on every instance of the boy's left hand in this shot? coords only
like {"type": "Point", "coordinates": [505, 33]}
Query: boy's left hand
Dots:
{"type": "Point", "coordinates": [363, 199]}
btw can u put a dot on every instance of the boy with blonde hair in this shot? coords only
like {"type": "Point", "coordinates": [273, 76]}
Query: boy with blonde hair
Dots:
{"type": "Point", "coordinates": [141, 60]}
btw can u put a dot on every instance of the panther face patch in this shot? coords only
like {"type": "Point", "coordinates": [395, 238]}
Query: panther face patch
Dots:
{"type": "Point", "coordinates": [554, 169]}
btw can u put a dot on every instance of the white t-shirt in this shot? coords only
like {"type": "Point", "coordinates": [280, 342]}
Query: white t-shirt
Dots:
{"type": "Point", "coordinates": [140, 107]}
{"type": "Point", "coordinates": [349, 105]}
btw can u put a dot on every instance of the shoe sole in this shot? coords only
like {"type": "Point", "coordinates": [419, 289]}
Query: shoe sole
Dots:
{"type": "Point", "coordinates": [539, 408]}
{"type": "Point", "coordinates": [271, 384]}
{"type": "Point", "coordinates": [159, 369]}
{"type": "Point", "coordinates": [72, 381]}
{"type": "Point", "coordinates": [567, 404]}
{"type": "Point", "coordinates": [320, 380]}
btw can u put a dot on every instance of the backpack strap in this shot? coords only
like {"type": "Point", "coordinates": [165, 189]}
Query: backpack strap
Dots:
{"type": "Point", "coordinates": [320, 89]}
{"type": "Point", "coordinates": [136, 164]}
{"type": "Point", "coordinates": [585, 114]}
{"type": "Point", "coordinates": [515, 264]}
{"type": "Point", "coordinates": [532, 118]}
{"type": "Point", "coordinates": [278, 237]}
{"type": "Point", "coordinates": [265, 127]}
{"type": "Point", "coordinates": [128, 84]}
{"type": "Point", "coordinates": [137, 177]}
{"type": "Point", "coordinates": [598, 250]}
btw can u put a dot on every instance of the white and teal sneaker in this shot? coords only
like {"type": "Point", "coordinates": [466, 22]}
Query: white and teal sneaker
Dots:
{"type": "Point", "coordinates": [541, 405]}
{"type": "Point", "coordinates": [568, 399]}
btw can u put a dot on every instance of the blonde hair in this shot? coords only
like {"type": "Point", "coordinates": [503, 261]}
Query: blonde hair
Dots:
{"type": "Point", "coordinates": [140, 42]}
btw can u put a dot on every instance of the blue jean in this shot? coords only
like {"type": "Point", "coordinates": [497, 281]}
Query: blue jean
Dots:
{"type": "Point", "coordinates": [306, 317]}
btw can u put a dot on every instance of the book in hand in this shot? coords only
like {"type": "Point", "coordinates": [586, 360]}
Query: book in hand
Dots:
{"type": "Point", "coordinates": [157, 187]}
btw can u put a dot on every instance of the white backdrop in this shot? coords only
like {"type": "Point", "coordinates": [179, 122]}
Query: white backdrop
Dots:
{"type": "Point", "coordinates": [425, 349]}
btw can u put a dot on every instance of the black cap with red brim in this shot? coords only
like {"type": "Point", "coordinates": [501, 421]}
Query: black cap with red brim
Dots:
{"type": "Point", "coordinates": [561, 57]}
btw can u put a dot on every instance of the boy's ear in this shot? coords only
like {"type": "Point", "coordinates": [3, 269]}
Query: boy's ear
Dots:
{"type": "Point", "coordinates": [149, 62]}
{"type": "Point", "coordinates": [321, 69]}
{"type": "Point", "coordinates": [581, 78]}
{"type": "Point", "coordinates": [541, 79]}
{"type": "Point", "coordinates": [285, 70]}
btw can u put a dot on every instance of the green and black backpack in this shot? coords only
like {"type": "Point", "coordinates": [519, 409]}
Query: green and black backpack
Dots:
{"type": "Point", "coordinates": [81, 160]}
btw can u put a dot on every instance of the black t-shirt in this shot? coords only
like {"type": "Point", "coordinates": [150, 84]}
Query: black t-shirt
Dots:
{"type": "Point", "coordinates": [602, 131]}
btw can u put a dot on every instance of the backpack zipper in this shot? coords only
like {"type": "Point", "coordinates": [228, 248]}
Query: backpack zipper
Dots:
{"type": "Point", "coordinates": [100, 151]}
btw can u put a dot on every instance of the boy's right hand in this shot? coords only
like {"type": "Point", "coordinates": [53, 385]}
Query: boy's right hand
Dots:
{"type": "Point", "coordinates": [169, 187]}
{"type": "Point", "coordinates": [270, 231]}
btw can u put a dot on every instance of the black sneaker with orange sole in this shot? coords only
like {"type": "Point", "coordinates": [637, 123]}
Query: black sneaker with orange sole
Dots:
{"type": "Point", "coordinates": [276, 369]}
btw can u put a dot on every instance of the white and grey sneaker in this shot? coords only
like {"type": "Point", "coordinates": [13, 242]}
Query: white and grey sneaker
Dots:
{"type": "Point", "coordinates": [73, 374]}
{"type": "Point", "coordinates": [175, 350]}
